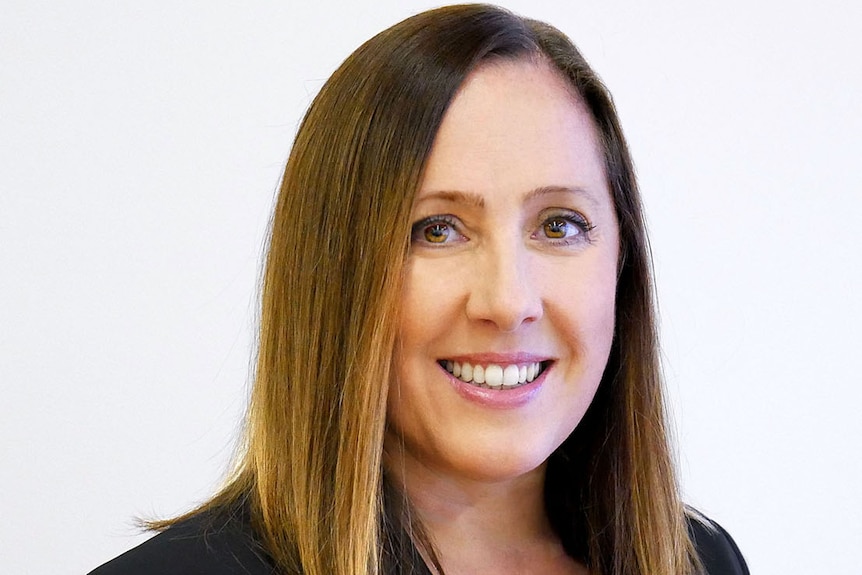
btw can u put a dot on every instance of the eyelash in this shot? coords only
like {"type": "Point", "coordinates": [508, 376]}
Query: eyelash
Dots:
{"type": "Point", "coordinates": [419, 227]}
{"type": "Point", "coordinates": [580, 222]}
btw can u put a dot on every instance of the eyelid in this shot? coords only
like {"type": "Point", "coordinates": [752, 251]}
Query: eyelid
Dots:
{"type": "Point", "coordinates": [577, 219]}
{"type": "Point", "coordinates": [450, 220]}
{"type": "Point", "coordinates": [574, 216]}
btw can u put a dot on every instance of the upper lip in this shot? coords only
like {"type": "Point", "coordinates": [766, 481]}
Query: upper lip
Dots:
{"type": "Point", "coordinates": [498, 358]}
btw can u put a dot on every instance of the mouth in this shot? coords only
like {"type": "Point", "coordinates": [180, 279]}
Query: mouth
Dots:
{"type": "Point", "coordinates": [495, 376]}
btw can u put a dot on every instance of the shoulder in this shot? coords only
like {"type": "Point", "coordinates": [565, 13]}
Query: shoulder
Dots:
{"type": "Point", "coordinates": [716, 548]}
{"type": "Point", "coordinates": [205, 544]}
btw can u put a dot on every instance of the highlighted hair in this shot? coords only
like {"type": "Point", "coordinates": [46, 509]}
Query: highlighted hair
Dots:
{"type": "Point", "coordinates": [311, 471]}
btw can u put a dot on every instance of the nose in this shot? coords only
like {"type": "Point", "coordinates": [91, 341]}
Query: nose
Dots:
{"type": "Point", "coordinates": [504, 291]}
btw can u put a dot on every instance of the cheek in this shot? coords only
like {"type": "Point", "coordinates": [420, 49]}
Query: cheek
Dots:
{"type": "Point", "coordinates": [419, 325]}
{"type": "Point", "coordinates": [602, 315]}
{"type": "Point", "coordinates": [400, 395]}
{"type": "Point", "coordinates": [583, 296]}
{"type": "Point", "coordinates": [601, 290]}
{"type": "Point", "coordinates": [410, 409]}
{"type": "Point", "coordinates": [603, 295]}
{"type": "Point", "coordinates": [428, 303]}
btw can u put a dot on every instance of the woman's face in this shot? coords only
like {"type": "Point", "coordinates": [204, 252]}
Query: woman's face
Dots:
{"type": "Point", "coordinates": [508, 309]}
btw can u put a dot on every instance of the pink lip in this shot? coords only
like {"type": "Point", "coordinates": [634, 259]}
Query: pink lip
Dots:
{"type": "Point", "coordinates": [510, 398]}
{"type": "Point", "coordinates": [498, 358]}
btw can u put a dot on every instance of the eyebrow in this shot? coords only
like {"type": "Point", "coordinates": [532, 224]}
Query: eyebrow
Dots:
{"type": "Point", "coordinates": [476, 200]}
{"type": "Point", "coordinates": [455, 196]}
{"type": "Point", "coordinates": [576, 190]}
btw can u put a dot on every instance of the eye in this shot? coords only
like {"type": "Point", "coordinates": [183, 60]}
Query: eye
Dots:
{"type": "Point", "coordinates": [559, 228]}
{"type": "Point", "coordinates": [436, 233]}
{"type": "Point", "coordinates": [564, 227]}
{"type": "Point", "coordinates": [436, 230]}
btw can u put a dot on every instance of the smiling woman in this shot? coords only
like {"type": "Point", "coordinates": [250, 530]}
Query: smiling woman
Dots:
{"type": "Point", "coordinates": [515, 272]}
{"type": "Point", "coordinates": [507, 316]}
{"type": "Point", "coordinates": [459, 374]}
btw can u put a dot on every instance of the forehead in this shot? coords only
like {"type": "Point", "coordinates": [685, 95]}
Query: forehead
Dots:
{"type": "Point", "coordinates": [515, 124]}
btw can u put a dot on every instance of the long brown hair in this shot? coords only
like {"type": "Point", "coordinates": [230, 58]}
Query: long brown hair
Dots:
{"type": "Point", "coordinates": [311, 472]}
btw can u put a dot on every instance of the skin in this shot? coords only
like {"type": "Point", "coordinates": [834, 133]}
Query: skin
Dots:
{"type": "Point", "coordinates": [514, 251]}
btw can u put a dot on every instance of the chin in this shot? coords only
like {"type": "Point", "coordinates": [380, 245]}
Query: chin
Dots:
{"type": "Point", "coordinates": [489, 457]}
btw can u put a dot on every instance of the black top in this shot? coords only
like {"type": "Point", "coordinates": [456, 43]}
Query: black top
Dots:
{"type": "Point", "coordinates": [226, 545]}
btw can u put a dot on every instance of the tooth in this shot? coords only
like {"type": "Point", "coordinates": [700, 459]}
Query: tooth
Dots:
{"type": "Point", "coordinates": [466, 372]}
{"type": "Point", "coordinates": [493, 375]}
{"type": "Point", "coordinates": [531, 372]}
{"type": "Point", "coordinates": [456, 369]}
{"type": "Point", "coordinates": [478, 374]}
{"type": "Point", "coordinates": [522, 373]}
{"type": "Point", "coordinates": [449, 366]}
{"type": "Point", "coordinates": [510, 375]}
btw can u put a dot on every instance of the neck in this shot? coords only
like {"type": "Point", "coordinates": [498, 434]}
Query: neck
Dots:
{"type": "Point", "coordinates": [476, 523]}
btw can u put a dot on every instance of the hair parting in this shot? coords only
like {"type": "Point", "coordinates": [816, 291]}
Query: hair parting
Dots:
{"type": "Point", "coordinates": [312, 470]}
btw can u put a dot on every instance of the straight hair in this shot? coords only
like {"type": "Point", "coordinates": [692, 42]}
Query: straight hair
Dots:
{"type": "Point", "coordinates": [311, 472]}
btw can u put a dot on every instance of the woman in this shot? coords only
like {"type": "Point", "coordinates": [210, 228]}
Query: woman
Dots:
{"type": "Point", "coordinates": [458, 360]}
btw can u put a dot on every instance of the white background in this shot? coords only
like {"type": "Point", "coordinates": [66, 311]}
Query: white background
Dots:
{"type": "Point", "coordinates": [140, 148]}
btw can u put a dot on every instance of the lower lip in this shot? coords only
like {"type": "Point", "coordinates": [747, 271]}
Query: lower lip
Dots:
{"type": "Point", "coordinates": [505, 398]}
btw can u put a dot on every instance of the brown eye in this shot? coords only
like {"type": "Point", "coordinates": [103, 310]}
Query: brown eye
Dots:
{"type": "Point", "coordinates": [556, 228]}
{"type": "Point", "coordinates": [437, 233]}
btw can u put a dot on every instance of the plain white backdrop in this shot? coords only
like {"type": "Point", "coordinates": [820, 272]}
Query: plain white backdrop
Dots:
{"type": "Point", "coordinates": [140, 148]}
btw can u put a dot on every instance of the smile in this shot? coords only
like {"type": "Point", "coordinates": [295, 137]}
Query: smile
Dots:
{"type": "Point", "coordinates": [494, 376]}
